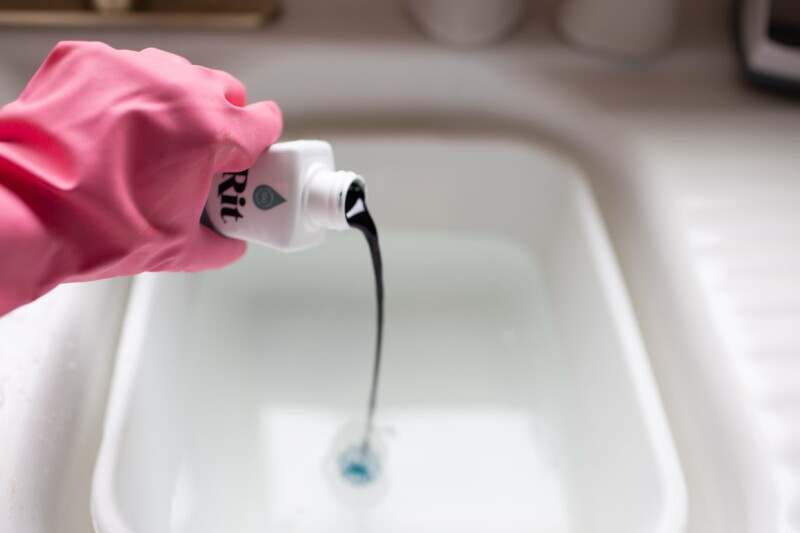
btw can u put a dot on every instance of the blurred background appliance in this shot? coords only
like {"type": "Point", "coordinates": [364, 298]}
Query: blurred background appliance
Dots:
{"type": "Point", "coordinates": [768, 35]}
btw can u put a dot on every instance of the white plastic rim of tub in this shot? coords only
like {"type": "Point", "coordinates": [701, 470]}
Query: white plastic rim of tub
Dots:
{"type": "Point", "coordinates": [105, 513]}
{"type": "Point", "coordinates": [674, 513]}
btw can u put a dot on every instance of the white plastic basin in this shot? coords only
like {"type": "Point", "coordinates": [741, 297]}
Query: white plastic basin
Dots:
{"type": "Point", "coordinates": [515, 395]}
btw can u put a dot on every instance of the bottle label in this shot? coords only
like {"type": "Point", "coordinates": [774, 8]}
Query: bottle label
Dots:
{"type": "Point", "coordinates": [266, 203]}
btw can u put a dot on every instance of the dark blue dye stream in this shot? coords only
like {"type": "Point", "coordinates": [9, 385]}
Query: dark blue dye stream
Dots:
{"type": "Point", "coordinates": [359, 464]}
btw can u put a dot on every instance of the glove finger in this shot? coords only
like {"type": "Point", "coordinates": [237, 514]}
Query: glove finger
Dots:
{"type": "Point", "coordinates": [166, 55]}
{"type": "Point", "coordinates": [233, 90]}
{"type": "Point", "coordinates": [252, 130]}
{"type": "Point", "coordinates": [209, 250]}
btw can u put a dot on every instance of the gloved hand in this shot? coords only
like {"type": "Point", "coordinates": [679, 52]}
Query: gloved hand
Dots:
{"type": "Point", "coordinates": [106, 161]}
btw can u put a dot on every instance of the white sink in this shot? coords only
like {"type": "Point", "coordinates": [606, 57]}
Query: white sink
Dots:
{"type": "Point", "coordinates": [515, 392]}
{"type": "Point", "coordinates": [681, 160]}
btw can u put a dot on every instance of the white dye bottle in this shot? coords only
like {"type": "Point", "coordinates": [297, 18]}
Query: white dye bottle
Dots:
{"type": "Point", "coordinates": [288, 199]}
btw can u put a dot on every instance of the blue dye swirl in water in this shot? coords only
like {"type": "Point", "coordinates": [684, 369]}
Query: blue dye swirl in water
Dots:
{"type": "Point", "coordinates": [359, 465]}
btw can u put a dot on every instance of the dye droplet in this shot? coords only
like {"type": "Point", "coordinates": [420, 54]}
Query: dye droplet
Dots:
{"type": "Point", "coordinates": [359, 465]}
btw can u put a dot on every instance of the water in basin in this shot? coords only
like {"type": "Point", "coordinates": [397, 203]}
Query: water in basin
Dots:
{"type": "Point", "coordinates": [283, 366]}
{"type": "Point", "coordinates": [514, 396]}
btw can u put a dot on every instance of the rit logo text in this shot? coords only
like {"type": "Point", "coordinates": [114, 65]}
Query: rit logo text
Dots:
{"type": "Point", "coordinates": [229, 192]}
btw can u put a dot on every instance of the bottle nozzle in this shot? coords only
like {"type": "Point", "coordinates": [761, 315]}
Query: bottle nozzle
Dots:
{"type": "Point", "coordinates": [327, 197]}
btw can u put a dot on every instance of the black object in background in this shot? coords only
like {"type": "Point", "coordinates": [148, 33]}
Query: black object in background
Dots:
{"type": "Point", "coordinates": [768, 42]}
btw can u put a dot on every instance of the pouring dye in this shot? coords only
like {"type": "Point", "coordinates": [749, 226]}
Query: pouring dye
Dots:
{"type": "Point", "coordinates": [359, 217]}
{"type": "Point", "coordinates": [288, 200]}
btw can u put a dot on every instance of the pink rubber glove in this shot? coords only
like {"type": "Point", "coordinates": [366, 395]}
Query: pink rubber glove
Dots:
{"type": "Point", "coordinates": [106, 161]}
